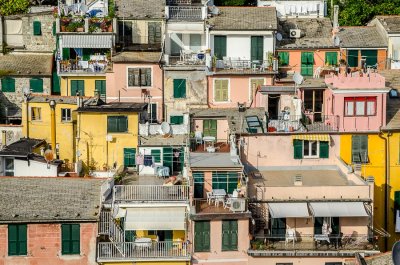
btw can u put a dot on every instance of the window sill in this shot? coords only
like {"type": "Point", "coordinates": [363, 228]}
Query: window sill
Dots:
{"type": "Point", "coordinates": [139, 87]}
{"type": "Point", "coordinates": [67, 122]}
{"type": "Point", "coordinates": [222, 102]}
{"type": "Point", "coordinates": [16, 255]}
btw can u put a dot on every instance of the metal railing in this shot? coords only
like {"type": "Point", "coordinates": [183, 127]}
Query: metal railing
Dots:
{"type": "Point", "coordinates": [223, 205]}
{"type": "Point", "coordinates": [108, 251]}
{"type": "Point", "coordinates": [314, 242]}
{"type": "Point", "coordinates": [179, 2]}
{"type": "Point", "coordinates": [104, 223]}
{"type": "Point", "coordinates": [116, 234]}
{"type": "Point", "coordinates": [139, 43]}
{"type": "Point", "coordinates": [238, 64]}
{"type": "Point", "coordinates": [185, 12]}
{"type": "Point", "coordinates": [132, 193]}
{"type": "Point", "coordinates": [74, 66]}
{"type": "Point", "coordinates": [304, 123]}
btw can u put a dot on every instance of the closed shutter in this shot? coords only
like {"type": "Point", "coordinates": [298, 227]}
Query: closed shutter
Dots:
{"type": "Point", "coordinates": [331, 58]}
{"type": "Point", "coordinates": [36, 85]}
{"type": "Point", "coordinates": [352, 58]}
{"type": "Point", "coordinates": [167, 158]}
{"type": "Point", "coordinates": [154, 32]}
{"type": "Point", "coordinates": [179, 88]}
{"type": "Point", "coordinates": [65, 239]}
{"type": "Point", "coordinates": [226, 240]}
{"type": "Point", "coordinates": [86, 54]}
{"type": "Point", "coordinates": [220, 46]}
{"type": "Point", "coordinates": [257, 48]}
{"type": "Point", "coordinates": [12, 240]}
{"type": "Point", "coordinates": [307, 63]}
{"type": "Point", "coordinates": [37, 28]}
{"type": "Point", "coordinates": [283, 58]}
{"type": "Point", "coordinates": [202, 236]}
{"type": "Point", "coordinates": [54, 30]}
{"type": "Point", "coordinates": [397, 200]}
{"type": "Point", "coordinates": [100, 87]}
{"type": "Point", "coordinates": [156, 154]}
{"type": "Point", "coordinates": [66, 53]}
{"type": "Point", "coordinates": [22, 239]}
{"type": "Point", "coordinates": [112, 124]}
{"type": "Point", "coordinates": [298, 149]}
{"type": "Point", "coordinates": [75, 238]}
{"type": "Point", "coordinates": [210, 128]}
{"type": "Point", "coordinates": [371, 57]}
{"type": "Point", "coordinates": [129, 157]}
{"type": "Point", "coordinates": [221, 90]}
{"type": "Point", "coordinates": [8, 84]}
{"type": "Point", "coordinates": [176, 120]}
{"type": "Point", "coordinates": [324, 149]}
{"type": "Point", "coordinates": [234, 234]}
{"type": "Point", "coordinates": [56, 83]}
{"type": "Point", "coordinates": [122, 124]}
{"type": "Point", "coordinates": [77, 86]}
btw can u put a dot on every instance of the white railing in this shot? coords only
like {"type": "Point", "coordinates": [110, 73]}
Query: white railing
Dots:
{"type": "Point", "coordinates": [104, 224]}
{"type": "Point", "coordinates": [128, 251]}
{"type": "Point", "coordinates": [185, 12]}
{"type": "Point", "coordinates": [115, 233]}
{"type": "Point", "coordinates": [131, 193]}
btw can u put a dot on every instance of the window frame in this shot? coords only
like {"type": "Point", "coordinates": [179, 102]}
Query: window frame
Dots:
{"type": "Point", "coordinates": [33, 118]}
{"type": "Point", "coordinates": [151, 113]}
{"type": "Point", "coordinates": [70, 240]}
{"type": "Point", "coordinates": [139, 81]}
{"type": "Point", "coordinates": [229, 90]}
{"type": "Point", "coordinates": [310, 149]}
{"type": "Point", "coordinates": [365, 100]}
{"type": "Point", "coordinates": [66, 110]}
{"type": "Point", "coordinates": [117, 126]}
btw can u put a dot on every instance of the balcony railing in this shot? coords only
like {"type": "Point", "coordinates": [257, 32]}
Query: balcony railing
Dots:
{"type": "Point", "coordinates": [104, 223]}
{"type": "Point", "coordinates": [138, 193]}
{"type": "Point", "coordinates": [139, 43]}
{"type": "Point", "coordinates": [179, 2]}
{"type": "Point", "coordinates": [314, 242]}
{"type": "Point", "coordinates": [185, 12]}
{"type": "Point", "coordinates": [220, 206]}
{"type": "Point", "coordinates": [131, 251]}
{"type": "Point", "coordinates": [85, 67]}
{"type": "Point", "coordinates": [187, 58]}
{"type": "Point", "coordinates": [304, 123]}
{"type": "Point", "coordinates": [86, 25]}
{"type": "Point", "coordinates": [232, 63]}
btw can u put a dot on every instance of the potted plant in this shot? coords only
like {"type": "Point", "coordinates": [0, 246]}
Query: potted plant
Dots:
{"type": "Point", "coordinates": [80, 26]}
{"type": "Point", "coordinates": [71, 27]}
{"type": "Point", "coordinates": [214, 62]}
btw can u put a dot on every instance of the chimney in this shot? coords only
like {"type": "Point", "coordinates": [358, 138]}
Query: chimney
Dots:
{"type": "Point", "coordinates": [336, 17]}
{"type": "Point", "coordinates": [4, 137]}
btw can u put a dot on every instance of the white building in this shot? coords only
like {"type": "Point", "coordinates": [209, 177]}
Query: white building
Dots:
{"type": "Point", "coordinates": [297, 8]}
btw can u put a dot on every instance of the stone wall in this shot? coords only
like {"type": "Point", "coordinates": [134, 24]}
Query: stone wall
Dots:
{"type": "Point", "coordinates": [46, 41]}
{"type": "Point", "coordinates": [380, 259]}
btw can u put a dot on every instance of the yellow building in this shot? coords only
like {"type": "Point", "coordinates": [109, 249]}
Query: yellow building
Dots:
{"type": "Point", "coordinates": [86, 85]}
{"type": "Point", "coordinates": [37, 122]}
{"type": "Point", "coordinates": [108, 133]}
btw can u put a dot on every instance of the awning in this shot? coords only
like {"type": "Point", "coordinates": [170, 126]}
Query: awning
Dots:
{"type": "Point", "coordinates": [155, 218]}
{"type": "Point", "coordinates": [87, 41]}
{"type": "Point", "coordinates": [292, 209]}
{"type": "Point", "coordinates": [312, 137]}
{"type": "Point", "coordinates": [267, 89]}
{"type": "Point", "coordinates": [338, 209]}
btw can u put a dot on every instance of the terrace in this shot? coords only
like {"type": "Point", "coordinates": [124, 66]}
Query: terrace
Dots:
{"type": "Point", "coordinates": [234, 65]}
{"type": "Point", "coordinates": [86, 25]}
{"type": "Point", "coordinates": [304, 123]}
{"type": "Point", "coordinates": [186, 12]}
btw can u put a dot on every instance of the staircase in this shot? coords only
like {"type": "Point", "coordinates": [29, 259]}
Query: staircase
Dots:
{"type": "Point", "coordinates": [113, 231]}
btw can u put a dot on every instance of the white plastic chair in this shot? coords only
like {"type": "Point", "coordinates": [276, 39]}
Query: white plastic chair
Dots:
{"type": "Point", "coordinates": [290, 236]}
{"type": "Point", "coordinates": [227, 203]}
{"type": "Point", "coordinates": [210, 197]}
{"type": "Point", "coordinates": [198, 136]}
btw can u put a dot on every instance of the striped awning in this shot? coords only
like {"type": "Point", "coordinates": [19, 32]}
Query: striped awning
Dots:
{"type": "Point", "coordinates": [312, 137]}
{"type": "Point", "coordinates": [87, 41]}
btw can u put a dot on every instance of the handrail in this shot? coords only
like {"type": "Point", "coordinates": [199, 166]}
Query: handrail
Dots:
{"type": "Point", "coordinates": [131, 193]}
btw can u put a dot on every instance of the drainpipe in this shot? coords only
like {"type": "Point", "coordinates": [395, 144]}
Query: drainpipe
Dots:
{"type": "Point", "coordinates": [4, 138]}
{"type": "Point", "coordinates": [52, 104]}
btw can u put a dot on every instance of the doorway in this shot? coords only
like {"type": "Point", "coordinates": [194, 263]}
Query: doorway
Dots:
{"type": "Point", "coordinates": [273, 106]}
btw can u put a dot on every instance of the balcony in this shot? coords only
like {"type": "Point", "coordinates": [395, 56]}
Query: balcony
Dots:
{"type": "Point", "coordinates": [86, 25]}
{"type": "Point", "coordinates": [304, 123]}
{"type": "Point", "coordinates": [183, 2]}
{"type": "Point", "coordinates": [139, 43]}
{"type": "Point", "coordinates": [186, 12]}
{"type": "Point", "coordinates": [152, 193]}
{"type": "Point", "coordinates": [236, 65]}
{"type": "Point", "coordinates": [186, 58]}
{"type": "Point", "coordinates": [131, 251]}
{"type": "Point", "coordinates": [90, 67]}
{"type": "Point", "coordinates": [226, 205]}
{"type": "Point", "coordinates": [146, 129]}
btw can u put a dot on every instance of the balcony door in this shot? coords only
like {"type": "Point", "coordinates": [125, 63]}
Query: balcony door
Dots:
{"type": "Point", "coordinates": [210, 128]}
{"type": "Point", "coordinates": [278, 228]}
{"type": "Point", "coordinates": [313, 104]}
{"type": "Point", "coordinates": [257, 48]}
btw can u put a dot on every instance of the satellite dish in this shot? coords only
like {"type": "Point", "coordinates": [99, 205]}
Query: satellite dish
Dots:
{"type": "Point", "coordinates": [298, 78]}
{"type": "Point", "coordinates": [49, 155]}
{"type": "Point", "coordinates": [336, 41]}
{"type": "Point", "coordinates": [396, 253]}
{"type": "Point", "coordinates": [279, 36]}
{"type": "Point", "coordinates": [165, 128]}
{"type": "Point", "coordinates": [83, 8]}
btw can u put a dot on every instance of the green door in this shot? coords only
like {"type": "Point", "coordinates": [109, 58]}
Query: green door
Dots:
{"type": "Point", "coordinates": [210, 128]}
{"type": "Point", "coordinates": [129, 157]}
{"type": "Point", "coordinates": [278, 228]}
{"type": "Point", "coordinates": [257, 48]}
{"type": "Point", "coordinates": [100, 87]}
{"type": "Point", "coordinates": [56, 83]}
{"type": "Point", "coordinates": [168, 158]}
{"type": "Point", "coordinates": [198, 179]}
{"type": "Point", "coordinates": [307, 63]}
{"type": "Point", "coordinates": [220, 46]}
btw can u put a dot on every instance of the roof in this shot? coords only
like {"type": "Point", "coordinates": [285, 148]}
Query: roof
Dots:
{"type": "Point", "coordinates": [391, 24]}
{"type": "Point", "coordinates": [361, 37]}
{"type": "Point", "coordinates": [315, 33]}
{"type": "Point", "coordinates": [22, 147]}
{"type": "Point", "coordinates": [13, 110]}
{"type": "Point", "coordinates": [159, 140]}
{"type": "Point", "coordinates": [244, 18]}
{"type": "Point", "coordinates": [49, 200]}
{"type": "Point", "coordinates": [392, 104]}
{"type": "Point", "coordinates": [231, 114]}
{"type": "Point", "coordinates": [139, 9]}
{"type": "Point", "coordinates": [213, 160]}
{"type": "Point", "coordinates": [100, 106]}
{"type": "Point", "coordinates": [27, 64]}
{"type": "Point", "coordinates": [135, 57]}
{"type": "Point", "coordinates": [38, 98]}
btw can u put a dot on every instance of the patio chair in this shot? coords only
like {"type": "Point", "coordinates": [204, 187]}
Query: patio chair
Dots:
{"type": "Point", "coordinates": [198, 136]}
{"type": "Point", "coordinates": [210, 197]}
{"type": "Point", "coordinates": [290, 236]}
{"type": "Point", "coordinates": [228, 203]}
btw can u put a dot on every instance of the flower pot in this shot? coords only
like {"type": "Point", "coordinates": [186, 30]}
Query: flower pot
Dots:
{"type": "Point", "coordinates": [110, 29]}
{"type": "Point", "coordinates": [63, 28]}
{"type": "Point", "coordinates": [80, 29]}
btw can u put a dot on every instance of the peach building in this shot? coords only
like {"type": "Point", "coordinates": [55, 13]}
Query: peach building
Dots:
{"type": "Point", "coordinates": [38, 226]}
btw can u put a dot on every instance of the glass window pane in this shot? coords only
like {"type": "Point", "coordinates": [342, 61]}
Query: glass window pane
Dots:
{"type": "Point", "coordinates": [306, 148]}
{"type": "Point", "coordinates": [314, 148]}
{"type": "Point", "coordinates": [349, 108]}
{"type": "Point", "coordinates": [370, 108]}
{"type": "Point", "coordinates": [360, 108]}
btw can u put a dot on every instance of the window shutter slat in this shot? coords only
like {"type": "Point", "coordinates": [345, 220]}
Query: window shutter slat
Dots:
{"type": "Point", "coordinates": [324, 149]}
{"type": "Point", "coordinates": [298, 149]}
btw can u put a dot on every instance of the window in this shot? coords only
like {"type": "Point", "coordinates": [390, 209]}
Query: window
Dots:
{"type": "Point", "coordinates": [77, 86]}
{"type": "Point", "coordinates": [227, 181]}
{"type": "Point", "coordinates": [8, 84]}
{"type": "Point", "coordinates": [257, 48]}
{"type": "Point", "coordinates": [156, 154]}
{"type": "Point", "coordinates": [36, 114]}
{"type": "Point", "coordinates": [66, 115]}
{"type": "Point", "coordinates": [100, 87]}
{"type": "Point", "coordinates": [221, 87]}
{"type": "Point", "coordinates": [307, 63]}
{"type": "Point", "coordinates": [9, 167]}
{"type": "Point", "coordinates": [331, 58]}
{"type": "Point", "coordinates": [139, 77]}
{"type": "Point", "coordinates": [202, 236]}
{"type": "Point", "coordinates": [179, 88]}
{"type": "Point", "coordinates": [195, 42]}
{"type": "Point", "coordinates": [117, 124]}
{"type": "Point", "coordinates": [17, 243]}
{"type": "Point", "coordinates": [352, 58]}
{"type": "Point", "coordinates": [229, 235]}
{"type": "Point", "coordinates": [371, 57]}
{"type": "Point", "coordinates": [36, 85]}
{"type": "Point", "coordinates": [333, 263]}
{"type": "Point", "coordinates": [37, 28]}
{"type": "Point", "coordinates": [254, 83]}
{"type": "Point", "coordinates": [198, 183]}
{"type": "Point", "coordinates": [129, 157]}
{"type": "Point", "coordinates": [287, 263]}
{"type": "Point", "coordinates": [359, 148]}
{"type": "Point", "coordinates": [70, 237]}
{"type": "Point", "coordinates": [359, 106]}
{"type": "Point", "coordinates": [155, 32]}
{"type": "Point", "coordinates": [310, 149]}
{"type": "Point", "coordinates": [278, 228]}
{"type": "Point", "coordinates": [313, 103]}
{"type": "Point", "coordinates": [283, 58]}
{"type": "Point", "coordinates": [176, 119]}
{"type": "Point", "coordinates": [176, 44]}
{"type": "Point", "coordinates": [153, 112]}
{"type": "Point", "coordinates": [220, 46]}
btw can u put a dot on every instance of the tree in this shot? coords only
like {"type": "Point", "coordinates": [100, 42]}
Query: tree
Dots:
{"type": "Point", "coordinates": [12, 7]}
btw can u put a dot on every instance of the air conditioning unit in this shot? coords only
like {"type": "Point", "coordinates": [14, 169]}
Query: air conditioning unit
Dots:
{"type": "Point", "coordinates": [238, 205]}
{"type": "Point", "coordinates": [295, 33]}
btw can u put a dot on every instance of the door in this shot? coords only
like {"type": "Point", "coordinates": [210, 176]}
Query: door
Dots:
{"type": "Point", "coordinates": [220, 47]}
{"type": "Point", "coordinates": [257, 48]}
{"type": "Point", "coordinates": [335, 225]}
{"type": "Point", "coordinates": [307, 63]}
{"type": "Point", "coordinates": [278, 228]}
{"type": "Point", "coordinates": [129, 157]}
{"type": "Point", "coordinates": [210, 128]}
{"type": "Point", "coordinates": [273, 107]}
{"type": "Point", "coordinates": [198, 179]}
{"type": "Point", "coordinates": [318, 222]}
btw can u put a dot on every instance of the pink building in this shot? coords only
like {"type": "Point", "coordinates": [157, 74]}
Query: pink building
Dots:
{"type": "Point", "coordinates": [48, 220]}
{"type": "Point", "coordinates": [137, 77]}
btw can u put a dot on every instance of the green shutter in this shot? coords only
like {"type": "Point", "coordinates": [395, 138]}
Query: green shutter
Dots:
{"type": "Point", "coordinates": [371, 57]}
{"type": "Point", "coordinates": [331, 58]}
{"type": "Point", "coordinates": [220, 46]}
{"type": "Point", "coordinates": [22, 239]}
{"type": "Point", "coordinates": [298, 149]}
{"type": "Point", "coordinates": [86, 54]}
{"type": "Point", "coordinates": [179, 88]}
{"type": "Point", "coordinates": [54, 31]}
{"type": "Point", "coordinates": [37, 28]}
{"type": "Point", "coordinates": [156, 154]}
{"type": "Point", "coordinates": [112, 124]}
{"type": "Point", "coordinates": [324, 149]}
{"type": "Point", "coordinates": [66, 53]}
{"type": "Point", "coordinates": [129, 157]}
{"type": "Point", "coordinates": [168, 158]}
{"type": "Point", "coordinates": [352, 58]}
{"type": "Point", "coordinates": [257, 48]}
{"type": "Point", "coordinates": [226, 240]}
{"type": "Point", "coordinates": [221, 90]}
{"type": "Point", "coordinates": [36, 85]}
{"type": "Point", "coordinates": [12, 240]}
{"type": "Point", "coordinates": [176, 119]}
{"type": "Point", "coordinates": [202, 236]}
{"type": "Point", "coordinates": [100, 87]}
{"type": "Point", "coordinates": [77, 86]}
{"type": "Point", "coordinates": [65, 239]}
{"type": "Point", "coordinates": [56, 83]}
{"type": "Point", "coordinates": [123, 124]}
{"type": "Point", "coordinates": [75, 239]}
{"type": "Point", "coordinates": [210, 128]}
{"type": "Point", "coordinates": [8, 84]}
{"type": "Point", "coordinates": [283, 58]}
{"type": "Point", "coordinates": [307, 63]}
